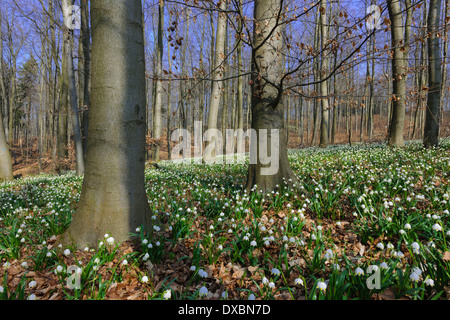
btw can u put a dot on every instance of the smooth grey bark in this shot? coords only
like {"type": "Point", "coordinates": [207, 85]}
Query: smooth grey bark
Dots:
{"type": "Point", "coordinates": [217, 84]}
{"type": "Point", "coordinates": [6, 170]}
{"type": "Point", "coordinates": [399, 36]}
{"type": "Point", "coordinates": [267, 107]}
{"type": "Point", "coordinates": [431, 131]}
{"type": "Point", "coordinates": [85, 45]}
{"type": "Point", "coordinates": [324, 124]}
{"type": "Point", "coordinates": [159, 90]}
{"type": "Point", "coordinates": [113, 198]}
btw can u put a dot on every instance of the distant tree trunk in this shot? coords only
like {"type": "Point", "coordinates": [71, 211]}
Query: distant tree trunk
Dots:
{"type": "Point", "coordinates": [324, 124]}
{"type": "Point", "coordinates": [159, 91]}
{"type": "Point", "coordinates": [113, 198]}
{"type": "Point", "coordinates": [240, 146]}
{"type": "Point", "coordinates": [431, 132]}
{"type": "Point", "coordinates": [62, 146]}
{"type": "Point", "coordinates": [399, 69]}
{"type": "Point", "coordinates": [267, 107]}
{"type": "Point", "coordinates": [217, 84]}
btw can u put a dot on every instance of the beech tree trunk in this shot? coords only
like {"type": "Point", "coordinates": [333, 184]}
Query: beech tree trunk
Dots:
{"type": "Point", "coordinates": [431, 132]}
{"type": "Point", "coordinates": [113, 198]}
{"type": "Point", "coordinates": [267, 108]}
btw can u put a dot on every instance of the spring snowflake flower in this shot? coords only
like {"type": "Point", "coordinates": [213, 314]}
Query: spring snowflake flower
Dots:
{"type": "Point", "coordinates": [203, 292]}
{"type": "Point", "coordinates": [380, 245]}
{"type": "Point", "coordinates": [110, 240]}
{"type": "Point", "coordinates": [275, 271]}
{"type": "Point", "coordinates": [167, 294]}
{"type": "Point", "coordinates": [329, 254]}
{"type": "Point", "coordinates": [359, 271]}
{"type": "Point", "coordinates": [253, 243]}
{"type": "Point", "coordinates": [429, 282]}
{"type": "Point", "coordinates": [265, 280]}
{"type": "Point", "coordinates": [145, 257]}
{"type": "Point", "coordinates": [414, 277]}
{"type": "Point", "coordinates": [384, 265]}
{"type": "Point", "coordinates": [299, 281]}
{"type": "Point", "coordinates": [1, 289]}
{"type": "Point", "coordinates": [31, 297]}
{"type": "Point", "coordinates": [66, 252]}
{"type": "Point", "coordinates": [125, 262]}
{"type": "Point", "coordinates": [390, 246]}
{"type": "Point", "coordinates": [202, 273]}
{"type": "Point", "coordinates": [437, 227]}
{"type": "Point", "coordinates": [32, 284]}
{"type": "Point", "coordinates": [271, 285]}
{"type": "Point", "coordinates": [224, 295]}
{"type": "Point", "coordinates": [322, 286]}
{"type": "Point", "coordinates": [407, 226]}
{"type": "Point", "coordinates": [251, 297]}
{"type": "Point", "coordinates": [193, 268]}
{"type": "Point", "coordinates": [416, 247]}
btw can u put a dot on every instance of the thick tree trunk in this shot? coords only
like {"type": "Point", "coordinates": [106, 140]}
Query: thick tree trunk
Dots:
{"type": "Point", "coordinates": [431, 132]}
{"type": "Point", "coordinates": [267, 107]}
{"type": "Point", "coordinates": [113, 198]}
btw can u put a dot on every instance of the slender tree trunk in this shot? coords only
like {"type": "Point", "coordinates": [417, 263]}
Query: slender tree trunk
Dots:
{"type": "Point", "coordinates": [431, 132]}
{"type": "Point", "coordinates": [324, 124]}
{"type": "Point", "coordinates": [217, 84]}
{"type": "Point", "coordinates": [113, 198]}
{"type": "Point", "coordinates": [399, 75]}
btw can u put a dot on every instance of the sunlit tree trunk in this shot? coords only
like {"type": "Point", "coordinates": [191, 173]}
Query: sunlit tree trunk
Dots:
{"type": "Point", "coordinates": [113, 198]}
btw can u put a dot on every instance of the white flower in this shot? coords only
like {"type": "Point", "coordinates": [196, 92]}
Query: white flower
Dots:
{"type": "Point", "coordinates": [437, 227]}
{"type": "Point", "coordinates": [415, 246]}
{"type": "Point", "coordinates": [145, 257]}
{"type": "Point", "coordinates": [299, 281]}
{"type": "Point", "coordinates": [1, 289]}
{"type": "Point", "coordinates": [271, 285]}
{"type": "Point", "coordinates": [380, 245]}
{"type": "Point", "coordinates": [329, 254]}
{"type": "Point", "coordinates": [265, 280]}
{"type": "Point", "coordinates": [414, 277]}
{"type": "Point", "coordinates": [429, 282]}
{"type": "Point", "coordinates": [322, 286]}
{"type": "Point", "coordinates": [384, 265]}
{"type": "Point", "coordinates": [359, 271]}
{"type": "Point", "coordinates": [202, 273]}
{"type": "Point", "coordinates": [66, 252]}
{"type": "Point", "coordinates": [203, 291]}
{"type": "Point", "coordinates": [125, 262]}
{"type": "Point", "coordinates": [253, 243]}
{"type": "Point", "coordinates": [110, 240]}
{"type": "Point", "coordinates": [59, 269]}
{"type": "Point", "coordinates": [31, 297]}
{"type": "Point", "coordinates": [167, 294]}
{"type": "Point", "coordinates": [251, 297]}
{"type": "Point", "coordinates": [32, 284]}
{"type": "Point", "coordinates": [275, 271]}
{"type": "Point", "coordinates": [224, 295]}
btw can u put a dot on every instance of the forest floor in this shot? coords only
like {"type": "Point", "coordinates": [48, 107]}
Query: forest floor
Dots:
{"type": "Point", "coordinates": [360, 207]}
